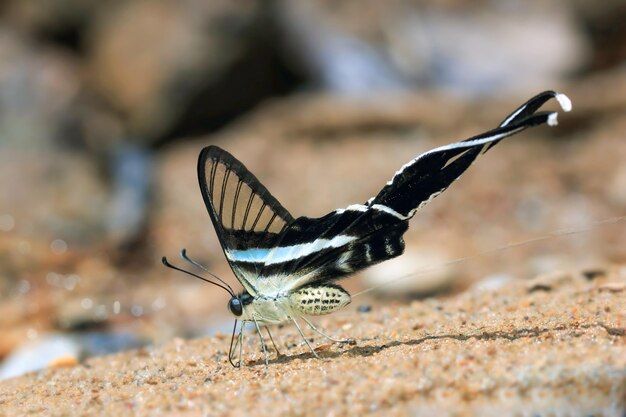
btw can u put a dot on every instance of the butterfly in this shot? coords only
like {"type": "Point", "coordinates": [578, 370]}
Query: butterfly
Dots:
{"type": "Point", "coordinates": [289, 267]}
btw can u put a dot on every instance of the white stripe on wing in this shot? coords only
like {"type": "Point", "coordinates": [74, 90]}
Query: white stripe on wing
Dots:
{"type": "Point", "coordinates": [287, 253]}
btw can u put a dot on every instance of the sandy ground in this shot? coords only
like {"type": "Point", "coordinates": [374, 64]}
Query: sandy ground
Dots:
{"type": "Point", "coordinates": [555, 345]}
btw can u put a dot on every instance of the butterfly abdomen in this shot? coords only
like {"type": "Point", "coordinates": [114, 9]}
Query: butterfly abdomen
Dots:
{"type": "Point", "coordinates": [319, 300]}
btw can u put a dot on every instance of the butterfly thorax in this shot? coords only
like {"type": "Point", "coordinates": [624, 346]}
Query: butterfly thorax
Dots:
{"type": "Point", "coordinates": [265, 309]}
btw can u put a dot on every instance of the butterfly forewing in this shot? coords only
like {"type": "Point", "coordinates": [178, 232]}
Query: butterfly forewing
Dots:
{"type": "Point", "coordinates": [247, 218]}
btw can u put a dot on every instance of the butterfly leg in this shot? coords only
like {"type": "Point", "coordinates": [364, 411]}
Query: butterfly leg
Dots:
{"type": "Point", "coordinates": [258, 329]}
{"type": "Point", "coordinates": [233, 346]}
{"type": "Point", "coordinates": [241, 344]}
{"type": "Point", "coordinates": [238, 343]}
{"type": "Point", "coordinates": [332, 339]}
{"type": "Point", "coordinates": [305, 339]}
{"type": "Point", "coordinates": [278, 354]}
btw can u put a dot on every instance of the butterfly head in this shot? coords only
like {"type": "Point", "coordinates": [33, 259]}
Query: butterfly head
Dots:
{"type": "Point", "coordinates": [237, 303]}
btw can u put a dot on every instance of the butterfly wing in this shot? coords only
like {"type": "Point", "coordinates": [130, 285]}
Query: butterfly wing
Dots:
{"type": "Point", "coordinates": [248, 220]}
{"type": "Point", "coordinates": [347, 240]}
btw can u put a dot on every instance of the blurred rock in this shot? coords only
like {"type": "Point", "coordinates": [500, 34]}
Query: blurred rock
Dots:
{"type": "Point", "coordinates": [76, 314]}
{"type": "Point", "coordinates": [617, 190]}
{"type": "Point", "coordinates": [39, 88]}
{"type": "Point", "coordinates": [11, 337]}
{"type": "Point", "coordinates": [333, 59]}
{"type": "Point", "coordinates": [166, 65]}
{"type": "Point", "coordinates": [417, 273]}
{"type": "Point", "coordinates": [492, 283]}
{"type": "Point", "coordinates": [132, 184]}
{"type": "Point", "coordinates": [52, 195]}
{"type": "Point", "coordinates": [453, 46]}
{"type": "Point", "coordinates": [38, 354]}
{"type": "Point", "coordinates": [548, 281]}
{"type": "Point", "coordinates": [604, 24]}
{"type": "Point", "coordinates": [65, 350]}
{"type": "Point", "coordinates": [56, 21]}
{"type": "Point", "coordinates": [484, 52]}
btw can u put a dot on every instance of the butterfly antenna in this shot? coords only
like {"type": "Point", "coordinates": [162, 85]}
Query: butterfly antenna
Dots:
{"type": "Point", "coordinates": [183, 254]}
{"type": "Point", "coordinates": [169, 265]}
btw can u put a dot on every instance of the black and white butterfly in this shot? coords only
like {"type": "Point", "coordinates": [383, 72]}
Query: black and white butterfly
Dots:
{"type": "Point", "coordinates": [289, 267]}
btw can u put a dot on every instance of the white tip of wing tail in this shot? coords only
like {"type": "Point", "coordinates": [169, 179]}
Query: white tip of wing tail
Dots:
{"type": "Point", "coordinates": [564, 101]}
{"type": "Point", "coordinates": [552, 119]}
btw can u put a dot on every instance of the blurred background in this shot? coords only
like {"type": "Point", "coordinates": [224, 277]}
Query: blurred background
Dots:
{"type": "Point", "coordinates": [105, 106]}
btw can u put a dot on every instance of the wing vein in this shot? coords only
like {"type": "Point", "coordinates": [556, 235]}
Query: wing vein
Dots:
{"type": "Point", "coordinates": [245, 216]}
{"type": "Point", "coordinates": [258, 216]}
{"type": "Point", "coordinates": [212, 179]}
{"type": "Point", "coordinates": [270, 222]}
{"type": "Point", "coordinates": [235, 200]}
{"type": "Point", "coordinates": [222, 194]}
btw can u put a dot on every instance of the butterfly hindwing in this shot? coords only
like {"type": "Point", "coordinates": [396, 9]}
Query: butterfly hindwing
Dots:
{"type": "Point", "coordinates": [348, 240]}
{"type": "Point", "coordinates": [247, 218]}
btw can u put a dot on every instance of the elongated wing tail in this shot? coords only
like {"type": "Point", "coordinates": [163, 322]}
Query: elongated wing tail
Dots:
{"type": "Point", "coordinates": [431, 173]}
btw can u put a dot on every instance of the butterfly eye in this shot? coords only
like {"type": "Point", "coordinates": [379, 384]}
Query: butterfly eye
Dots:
{"type": "Point", "coordinates": [235, 307]}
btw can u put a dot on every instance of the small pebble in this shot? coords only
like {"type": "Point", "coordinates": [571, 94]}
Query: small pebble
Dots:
{"type": "Point", "coordinates": [58, 246]}
{"type": "Point", "coordinates": [39, 353]}
{"type": "Point", "coordinates": [67, 361]}
{"type": "Point", "coordinates": [364, 308]}
{"type": "Point", "coordinates": [592, 274]}
{"type": "Point", "coordinates": [613, 287]}
{"type": "Point", "coordinates": [539, 287]}
{"type": "Point", "coordinates": [136, 310]}
{"type": "Point", "coordinates": [7, 222]}
{"type": "Point", "coordinates": [24, 286]}
{"type": "Point", "coordinates": [86, 303]}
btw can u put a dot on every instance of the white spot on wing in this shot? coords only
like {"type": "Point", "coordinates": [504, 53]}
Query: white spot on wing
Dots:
{"type": "Point", "coordinates": [342, 262]}
{"type": "Point", "coordinates": [388, 247]}
{"type": "Point", "coordinates": [368, 253]}
{"type": "Point", "coordinates": [552, 119]}
{"type": "Point", "coordinates": [564, 101]}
